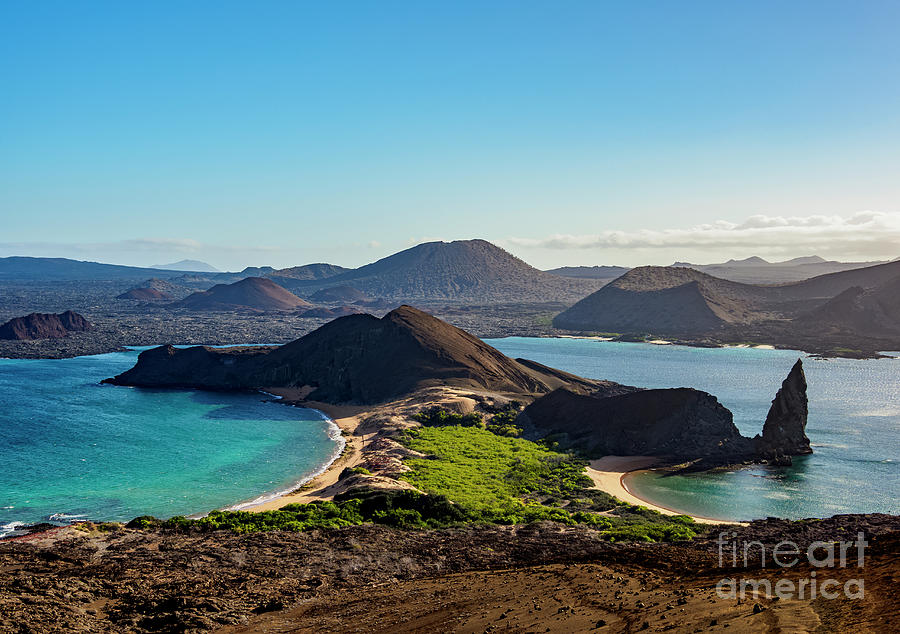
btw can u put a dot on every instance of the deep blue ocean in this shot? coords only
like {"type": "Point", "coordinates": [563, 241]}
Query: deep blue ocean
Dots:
{"type": "Point", "coordinates": [73, 448]}
{"type": "Point", "coordinates": [854, 424]}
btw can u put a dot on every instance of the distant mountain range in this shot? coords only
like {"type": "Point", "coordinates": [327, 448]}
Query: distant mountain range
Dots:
{"type": "Point", "coordinates": [464, 271]}
{"type": "Point", "coordinates": [756, 270]}
{"type": "Point", "coordinates": [590, 272]}
{"type": "Point", "coordinates": [63, 269]}
{"type": "Point", "coordinates": [187, 265]}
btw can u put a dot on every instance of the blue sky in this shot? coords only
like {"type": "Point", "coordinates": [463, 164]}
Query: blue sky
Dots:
{"type": "Point", "coordinates": [568, 132]}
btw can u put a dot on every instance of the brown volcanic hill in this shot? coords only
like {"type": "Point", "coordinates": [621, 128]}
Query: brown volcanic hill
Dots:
{"type": "Point", "coordinates": [667, 300]}
{"type": "Point", "coordinates": [358, 358]}
{"type": "Point", "coordinates": [464, 270]}
{"type": "Point", "coordinates": [343, 294]}
{"type": "Point", "coordinates": [146, 294]}
{"type": "Point", "coordinates": [874, 312]}
{"type": "Point", "coordinates": [44, 326]}
{"type": "Point", "coordinates": [251, 293]}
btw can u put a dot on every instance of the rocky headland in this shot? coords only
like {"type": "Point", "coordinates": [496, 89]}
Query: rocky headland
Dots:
{"type": "Point", "coordinates": [680, 424]}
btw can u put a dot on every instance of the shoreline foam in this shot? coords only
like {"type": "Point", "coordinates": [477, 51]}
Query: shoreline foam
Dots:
{"type": "Point", "coordinates": [334, 433]}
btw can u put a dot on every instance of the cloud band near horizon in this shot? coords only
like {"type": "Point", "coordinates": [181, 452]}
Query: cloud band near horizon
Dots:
{"type": "Point", "coordinates": [867, 232]}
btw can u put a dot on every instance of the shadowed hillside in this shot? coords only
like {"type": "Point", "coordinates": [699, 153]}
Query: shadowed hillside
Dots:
{"type": "Point", "coordinates": [667, 300]}
{"type": "Point", "coordinates": [876, 310]}
{"type": "Point", "coordinates": [850, 313]}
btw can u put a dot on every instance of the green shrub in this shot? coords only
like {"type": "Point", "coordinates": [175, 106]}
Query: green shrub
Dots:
{"type": "Point", "coordinates": [440, 417]}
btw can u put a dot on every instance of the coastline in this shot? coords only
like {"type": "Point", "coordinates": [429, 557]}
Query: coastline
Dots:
{"type": "Point", "coordinates": [609, 474]}
{"type": "Point", "coordinates": [322, 484]}
{"type": "Point", "coordinates": [335, 433]}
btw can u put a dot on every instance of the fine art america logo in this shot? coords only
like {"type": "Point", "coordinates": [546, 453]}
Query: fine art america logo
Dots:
{"type": "Point", "coordinates": [823, 557]}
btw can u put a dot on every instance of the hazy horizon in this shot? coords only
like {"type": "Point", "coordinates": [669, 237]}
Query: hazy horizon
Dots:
{"type": "Point", "coordinates": [264, 264]}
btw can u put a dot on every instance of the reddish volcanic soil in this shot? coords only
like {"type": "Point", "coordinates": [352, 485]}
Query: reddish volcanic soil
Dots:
{"type": "Point", "coordinates": [536, 578]}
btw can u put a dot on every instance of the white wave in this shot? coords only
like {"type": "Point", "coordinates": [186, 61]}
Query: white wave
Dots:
{"type": "Point", "coordinates": [334, 433]}
{"type": "Point", "coordinates": [64, 517]}
{"type": "Point", "coordinates": [10, 528]}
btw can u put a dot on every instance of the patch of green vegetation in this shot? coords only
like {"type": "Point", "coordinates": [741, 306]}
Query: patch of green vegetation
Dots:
{"type": "Point", "coordinates": [500, 423]}
{"type": "Point", "coordinates": [511, 480]}
{"type": "Point", "coordinates": [478, 469]}
{"type": "Point", "coordinates": [360, 470]}
{"type": "Point", "coordinates": [440, 417]}
{"type": "Point", "coordinates": [507, 429]}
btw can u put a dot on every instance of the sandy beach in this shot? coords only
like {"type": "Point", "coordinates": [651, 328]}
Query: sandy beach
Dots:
{"type": "Point", "coordinates": [609, 472]}
{"type": "Point", "coordinates": [322, 486]}
{"type": "Point", "coordinates": [360, 427]}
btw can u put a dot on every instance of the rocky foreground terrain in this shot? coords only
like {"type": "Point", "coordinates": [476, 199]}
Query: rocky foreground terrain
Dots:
{"type": "Point", "coordinates": [538, 577]}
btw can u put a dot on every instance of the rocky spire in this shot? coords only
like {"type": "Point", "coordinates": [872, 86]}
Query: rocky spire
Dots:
{"type": "Point", "coordinates": [784, 433]}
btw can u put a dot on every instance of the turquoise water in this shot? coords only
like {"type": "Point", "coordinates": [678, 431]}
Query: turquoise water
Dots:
{"type": "Point", "coordinates": [72, 447]}
{"type": "Point", "coordinates": [854, 424]}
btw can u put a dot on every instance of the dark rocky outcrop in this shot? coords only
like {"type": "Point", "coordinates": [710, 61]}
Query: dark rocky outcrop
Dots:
{"type": "Point", "coordinates": [44, 326]}
{"type": "Point", "coordinates": [784, 432]}
{"type": "Point", "coordinates": [681, 423]}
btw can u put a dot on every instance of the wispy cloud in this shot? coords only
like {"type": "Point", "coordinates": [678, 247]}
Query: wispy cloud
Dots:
{"type": "Point", "coordinates": [873, 232]}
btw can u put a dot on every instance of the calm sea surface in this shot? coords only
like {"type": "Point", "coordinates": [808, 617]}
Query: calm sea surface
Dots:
{"type": "Point", "coordinates": [70, 447]}
{"type": "Point", "coordinates": [854, 424]}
